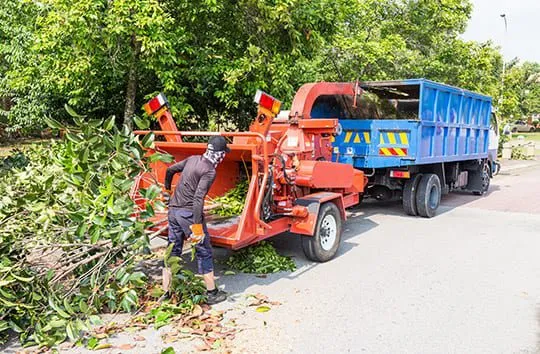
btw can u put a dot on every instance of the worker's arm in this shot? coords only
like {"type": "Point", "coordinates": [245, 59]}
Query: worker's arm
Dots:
{"type": "Point", "coordinates": [202, 189]}
{"type": "Point", "coordinates": [171, 171]}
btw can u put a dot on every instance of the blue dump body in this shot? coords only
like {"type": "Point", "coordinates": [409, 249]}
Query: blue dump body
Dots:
{"type": "Point", "coordinates": [430, 123]}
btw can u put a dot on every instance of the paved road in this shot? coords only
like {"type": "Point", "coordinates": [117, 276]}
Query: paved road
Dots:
{"type": "Point", "coordinates": [466, 281]}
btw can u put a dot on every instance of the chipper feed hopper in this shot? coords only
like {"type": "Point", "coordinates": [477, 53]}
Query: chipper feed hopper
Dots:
{"type": "Point", "coordinates": [293, 184]}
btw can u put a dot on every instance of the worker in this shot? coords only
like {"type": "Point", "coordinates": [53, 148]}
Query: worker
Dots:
{"type": "Point", "coordinates": [186, 217]}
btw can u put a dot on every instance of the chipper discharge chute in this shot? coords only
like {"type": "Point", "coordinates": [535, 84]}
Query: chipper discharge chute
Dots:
{"type": "Point", "coordinates": [292, 187]}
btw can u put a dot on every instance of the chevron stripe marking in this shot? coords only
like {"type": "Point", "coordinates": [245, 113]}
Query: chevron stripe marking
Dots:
{"type": "Point", "coordinates": [392, 138]}
{"type": "Point", "coordinates": [348, 136]}
{"type": "Point", "coordinates": [404, 138]}
{"type": "Point", "coordinates": [357, 139]}
{"type": "Point", "coordinates": [367, 138]}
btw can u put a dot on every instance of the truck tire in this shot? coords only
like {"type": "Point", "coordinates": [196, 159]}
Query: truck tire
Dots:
{"type": "Point", "coordinates": [409, 195]}
{"type": "Point", "coordinates": [323, 245]}
{"type": "Point", "coordinates": [486, 180]}
{"type": "Point", "coordinates": [428, 195]}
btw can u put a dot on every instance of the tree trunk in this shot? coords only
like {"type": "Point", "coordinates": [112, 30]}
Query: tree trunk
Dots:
{"type": "Point", "coordinates": [131, 91]}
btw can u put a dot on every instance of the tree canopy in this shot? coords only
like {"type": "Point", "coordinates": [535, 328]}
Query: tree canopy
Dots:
{"type": "Point", "coordinates": [107, 57]}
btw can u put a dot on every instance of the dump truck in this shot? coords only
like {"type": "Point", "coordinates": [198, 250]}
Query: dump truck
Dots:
{"type": "Point", "coordinates": [290, 188]}
{"type": "Point", "coordinates": [414, 139]}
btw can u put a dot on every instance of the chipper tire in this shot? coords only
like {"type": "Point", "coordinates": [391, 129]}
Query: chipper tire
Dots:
{"type": "Point", "coordinates": [324, 244]}
{"type": "Point", "coordinates": [409, 195]}
{"type": "Point", "coordinates": [428, 195]}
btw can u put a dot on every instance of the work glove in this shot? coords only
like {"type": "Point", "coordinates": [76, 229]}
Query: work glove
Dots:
{"type": "Point", "coordinates": [166, 197]}
{"type": "Point", "coordinates": [197, 233]}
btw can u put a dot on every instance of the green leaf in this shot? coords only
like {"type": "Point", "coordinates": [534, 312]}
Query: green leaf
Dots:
{"type": "Point", "coordinates": [141, 123]}
{"type": "Point", "coordinates": [61, 312]}
{"type": "Point", "coordinates": [229, 272]}
{"type": "Point", "coordinates": [58, 323]}
{"type": "Point", "coordinates": [148, 140]}
{"type": "Point", "coordinates": [168, 350]}
{"type": "Point", "coordinates": [92, 343]}
{"type": "Point", "coordinates": [15, 327]}
{"type": "Point", "coordinates": [109, 123]}
{"type": "Point", "coordinates": [74, 138]}
{"type": "Point", "coordinates": [67, 306]}
{"type": "Point", "coordinates": [72, 332]}
{"type": "Point", "coordinates": [52, 123]}
{"type": "Point", "coordinates": [83, 306]}
{"type": "Point", "coordinates": [70, 111]}
{"type": "Point", "coordinates": [3, 325]}
{"type": "Point", "coordinates": [167, 158]}
{"type": "Point", "coordinates": [152, 192]}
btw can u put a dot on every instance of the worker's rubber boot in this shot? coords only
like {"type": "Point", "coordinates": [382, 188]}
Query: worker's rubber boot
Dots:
{"type": "Point", "coordinates": [215, 296]}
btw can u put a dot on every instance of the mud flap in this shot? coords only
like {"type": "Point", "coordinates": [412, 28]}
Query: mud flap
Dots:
{"type": "Point", "coordinates": [313, 202]}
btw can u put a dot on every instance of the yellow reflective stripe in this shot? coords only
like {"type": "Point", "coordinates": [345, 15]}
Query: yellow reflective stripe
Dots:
{"type": "Point", "coordinates": [356, 139]}
{"type": "Point", "coordinates": [386, 152]}
{"type": "Point", "coordinates": [399, 151]}
{"type": "Point", "coordinates": [392, 138]}
{"type": "Point", "coordinates": [382, 138]}
{"type": "Point", "coordinates": [404, 138]}
{"type": "Point", "coordinates": [367, 138]}
{"type": "Point", "coordinates": [348, 136]}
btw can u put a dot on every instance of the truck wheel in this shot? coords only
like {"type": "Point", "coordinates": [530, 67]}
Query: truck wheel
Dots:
{"type": "Point", "coordinates": [428, 195]}
{"type": "Point", "coordinates": [409, 195]}
{"type": "Point", "coordinates": [323, 245]}
{"type": "Point", "coordinates": [486, 180]}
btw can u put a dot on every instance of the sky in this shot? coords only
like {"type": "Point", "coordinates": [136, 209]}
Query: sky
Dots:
{"type": "Point", "coordinates": [522, 39]}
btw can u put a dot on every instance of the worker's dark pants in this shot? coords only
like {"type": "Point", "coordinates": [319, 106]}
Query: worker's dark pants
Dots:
{"type": "Point", "coordinates": [179, 222]}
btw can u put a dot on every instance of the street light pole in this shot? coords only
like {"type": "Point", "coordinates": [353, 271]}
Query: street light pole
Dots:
{"type": "Point", "coordinates": [504, 61]}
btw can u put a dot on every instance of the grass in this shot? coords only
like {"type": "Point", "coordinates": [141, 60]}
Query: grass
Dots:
{"type": "Point", "coordinates": [528, 136]}
{"type": "Point", "coordinates": [6, 148]}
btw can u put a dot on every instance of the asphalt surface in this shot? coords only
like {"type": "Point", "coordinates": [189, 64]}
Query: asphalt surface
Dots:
{"type": "Point", "coordinates": [466, 281]}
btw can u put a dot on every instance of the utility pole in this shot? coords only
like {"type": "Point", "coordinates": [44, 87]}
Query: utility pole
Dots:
{"type": "Point", "coordinates": [504, 60]}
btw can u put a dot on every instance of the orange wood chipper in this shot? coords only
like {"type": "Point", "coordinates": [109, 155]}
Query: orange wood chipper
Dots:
{"type": "Point", "coordinates": [293, 184]}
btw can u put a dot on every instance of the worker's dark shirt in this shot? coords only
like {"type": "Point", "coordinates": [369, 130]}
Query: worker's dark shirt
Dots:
{"type": "Point", "coordinates": [197, 177]}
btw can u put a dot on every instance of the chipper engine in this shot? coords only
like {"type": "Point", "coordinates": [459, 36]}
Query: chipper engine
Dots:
{"type": "Point", "coordinates": [294, 186]}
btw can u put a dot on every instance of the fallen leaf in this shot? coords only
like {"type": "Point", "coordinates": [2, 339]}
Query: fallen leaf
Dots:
{"type": "Point", "coordinates": [125, 346]}
{"type": "Point", "coordinates": [103, 346]}
{"type": "Point", "coordinates": [262, 309]}
{"type": "Point", "coordinates": [262, 276]}
{"type": "Point", "coordinates": [185, 330]}
{"type": "Point", "coordinates": [229, 272]}
{"type": "Point", "coordinates": [204, 347]}
{"type": "Point", "coordinates": [217, 344]}
{"type": "Point", "coordinates": [205, 307]}
{"type": "Point", "coordinates": [139, 338]}
{"type": "Point", "coordinates": [168, 350]}
{"type": "Point", "coordinates": [197, 311]}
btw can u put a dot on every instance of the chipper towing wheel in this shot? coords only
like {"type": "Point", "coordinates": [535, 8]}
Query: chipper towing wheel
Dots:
{"type": "Point", "coordinates": [323, 245]}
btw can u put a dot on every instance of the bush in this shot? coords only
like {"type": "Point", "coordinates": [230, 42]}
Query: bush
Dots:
{"type": "Point", "coordinates": [68, 236]}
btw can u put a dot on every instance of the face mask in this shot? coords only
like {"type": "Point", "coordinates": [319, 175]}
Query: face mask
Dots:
{"type": "Point", "coordinates": [215, 157]}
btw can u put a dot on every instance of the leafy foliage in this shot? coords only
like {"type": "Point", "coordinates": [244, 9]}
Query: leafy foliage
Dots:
{"type": "Point", "coordinates": [69, 238]}
{"type": "Point", "coordinates": [209, 57]}
{"type": "Point", "coordinates": [521, 95]}
{"type": "Point", "coordinates": [261, 258]}
{"type": "Point", "coordinates": [231, 203]}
